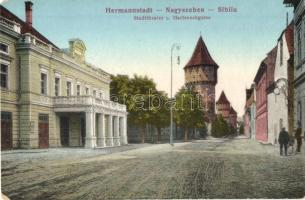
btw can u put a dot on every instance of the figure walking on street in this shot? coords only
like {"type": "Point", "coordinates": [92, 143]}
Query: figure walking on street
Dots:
{"type": "Point", "coordinates": [298, 137]}
{"type": "Point", "coordinates": [283, 140]}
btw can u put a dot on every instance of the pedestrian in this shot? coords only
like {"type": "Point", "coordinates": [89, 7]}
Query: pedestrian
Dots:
{"type": "Point", "coordinates": [298, 137]}
{"type": "Point", "coordinates": [283, 140]}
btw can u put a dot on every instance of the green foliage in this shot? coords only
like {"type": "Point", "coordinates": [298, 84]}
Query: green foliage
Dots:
{"type": "Point", "coordinates": [220, 127]}
{"type": "Point", "coordinates": [187, 110]}
{"type": "Point", "coordinates": [242, 129]}
{"type": "Point", "coordinates": [145, 105]}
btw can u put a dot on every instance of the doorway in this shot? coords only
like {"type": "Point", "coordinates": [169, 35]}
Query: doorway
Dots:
{"type": "Point", "coordinates": [6, 131]}
{"type": "Point", "coordinates": [43, 130]}
{"type": "Point", "coordinates": [64, 131]}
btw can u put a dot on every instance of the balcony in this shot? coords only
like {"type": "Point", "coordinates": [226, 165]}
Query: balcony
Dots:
{"type": "Point", "coordinates": [10, 24]}
{"type": "Point", "coordinates": [74, 103]}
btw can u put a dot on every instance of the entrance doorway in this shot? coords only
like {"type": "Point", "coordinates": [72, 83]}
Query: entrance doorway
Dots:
{"type": "Point", "coordinates": [6, 131]}
{"type": "Point", "coordinates": [83, 131]}
{"type": "Point", "coordinates": [64, 131]}
{"type": "Point", "coordinates": [43, 130]}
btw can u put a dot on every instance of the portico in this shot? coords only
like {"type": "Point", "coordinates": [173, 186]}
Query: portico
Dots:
{"type": "Point", "coordinates": [104, 121]}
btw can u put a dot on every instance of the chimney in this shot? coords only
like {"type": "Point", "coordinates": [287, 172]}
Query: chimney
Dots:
{"type": "Point", "coordinates": [28, 12]}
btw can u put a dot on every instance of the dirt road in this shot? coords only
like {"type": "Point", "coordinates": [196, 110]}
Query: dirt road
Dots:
{"type": "Point", "coordinates": [237, 168]}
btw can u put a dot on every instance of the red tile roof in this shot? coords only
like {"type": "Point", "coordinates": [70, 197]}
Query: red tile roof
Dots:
{"type": "Point", "coordinates": [223, 99]}
{"type": "Point", "coordinates": [25, 28]}
{"type": "Point", "coordinates": [232, 111]}
{"type": "Point", "coordinates": [290, 38]}
{"type": "Point", "coordinates": [270, 62]}
{"type": "Point", "coordinates": [201, 55]}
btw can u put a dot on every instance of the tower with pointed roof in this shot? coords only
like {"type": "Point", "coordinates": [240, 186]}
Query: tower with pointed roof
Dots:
{"type": "Point", "coordinates": [224, 108]}
{"type": "Point", "coordinates": [201, 74]}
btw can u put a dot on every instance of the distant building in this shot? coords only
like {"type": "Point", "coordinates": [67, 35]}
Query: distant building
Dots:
{"type": "Point", "coordinates": [224, 108]}
{"type": "Point", "coordinates": [201, 74]}
{"type": "Point", "coordinates": [263, 79]}
{"type": "Point", "coordinates": [299, 61]}
{"type": "Point", "coordinates": [250, 112]}
{"type": "Point", "coordinates": [280, 99]}
{"type": "Point", "coordinates": [52, 97]}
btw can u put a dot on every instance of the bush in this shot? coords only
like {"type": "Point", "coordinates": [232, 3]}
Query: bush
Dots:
{"type": "Point", "coordinates": [220, 127]}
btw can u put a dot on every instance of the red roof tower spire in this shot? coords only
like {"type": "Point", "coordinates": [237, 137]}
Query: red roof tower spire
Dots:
{"type": "Point", "coordinates": [201, 74]}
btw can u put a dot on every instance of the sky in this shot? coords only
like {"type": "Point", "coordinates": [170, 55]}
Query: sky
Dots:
{"type": "Point", "coordinates": [237, 41]}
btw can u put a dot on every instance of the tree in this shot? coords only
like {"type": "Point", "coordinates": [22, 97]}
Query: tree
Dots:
{"type": "Point", "coordinates": [242, 129]}
{"type": "Point", "coordinates": [187, 110]}
{"type": "Point", "coordinates": [160, 113]}
{"type": "Point", "coordinates": [220, 127]}
{"type": "Point", "coordinates": [135, 94]}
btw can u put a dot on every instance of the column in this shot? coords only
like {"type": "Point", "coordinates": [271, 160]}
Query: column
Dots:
{"type": "Point", "coordinates": [124, 130]}
{"type": "Point", "coordinates": [109, 140]}
{"type": "Point", "coordinates": [90, 130]}
{"type": "Point", "coordinates": [121, 121]}
{"type": "Point", "coordinates": [116, 127]}
{"type": "Point", "coordinates": [101, 132]}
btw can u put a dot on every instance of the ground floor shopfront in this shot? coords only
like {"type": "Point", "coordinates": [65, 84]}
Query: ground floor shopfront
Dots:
{"type": "Point", "coordinates": [69, 122]}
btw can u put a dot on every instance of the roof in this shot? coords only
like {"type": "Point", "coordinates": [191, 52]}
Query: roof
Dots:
{"type": "Point", "coordinates": [289, 35]}
{"type": "Point", "coordinates": [294, 2]}
{"type": "Point", "coordinates": [201, 55]}
{"type": "Point", "coordinates": [271, 59]}
{"type": "Point", "coordinates": [232, 111]}
{"type": "Point", "coordinates": [25, 27]}
{"type": "Point", "coordinates": [223, 99]}
{"type": "Point", "coordinates": [267, 66]}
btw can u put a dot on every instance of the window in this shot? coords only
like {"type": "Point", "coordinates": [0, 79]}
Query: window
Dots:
{"type": "Point", "coordinates": [299, 45]}
{"type": "Point", "coordinates": [69, 88]}
{"type": "Point", "coordinates": [43, 117]}
{"type": "Point", "coordinates": [3, 48]}
{"type": "Point", "coordinates": [94, 93]}
{"type": "Point", "coordinates": [78, 90]}
{"type": "Point", "coordinates": [87, 91]}
{"type": "Point", "coordinates": [57, 86]}
{"type": "Point", "coordinates": [299, 112]}
{"type": "Point", "coordinates": [4, 75]}
{"type": "Point", "coordinates": [281, 52]}
{"type": "Point", "coordinates": [43, 83]}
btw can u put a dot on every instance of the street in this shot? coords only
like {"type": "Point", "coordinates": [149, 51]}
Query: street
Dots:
{"type": "Point", "coordinates": [215, 168]}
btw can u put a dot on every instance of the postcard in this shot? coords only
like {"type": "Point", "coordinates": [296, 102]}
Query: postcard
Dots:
{"type": "Point", "coordinates": [144, 99]}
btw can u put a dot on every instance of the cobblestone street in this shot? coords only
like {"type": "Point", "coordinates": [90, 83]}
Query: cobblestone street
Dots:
{"type": "Point", "coordinates": [222, 168]}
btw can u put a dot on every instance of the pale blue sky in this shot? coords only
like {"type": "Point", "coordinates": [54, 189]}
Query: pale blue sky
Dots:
{"type": "Point", "coordinates": [236, 41]}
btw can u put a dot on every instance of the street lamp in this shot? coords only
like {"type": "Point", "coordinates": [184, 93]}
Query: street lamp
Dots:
{"type": "Point", "coordinates": [177, 47]}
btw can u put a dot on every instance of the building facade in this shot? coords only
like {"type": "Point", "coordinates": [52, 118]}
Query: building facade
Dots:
{"type": "Point", "coordinates": [201, 74]}
{"type": "Point", "coordinates": [263, 79]}
{"type": "Point", "coordinates": [52, 97]}
{"type": "Point", "coordinates": [299, 61]}
{"type": "Point", "coordinates": [250, 112]}
{"type": "Point", "coordinates": [277, 92]}
{"type": "Point", "coordinates": [224, 108]}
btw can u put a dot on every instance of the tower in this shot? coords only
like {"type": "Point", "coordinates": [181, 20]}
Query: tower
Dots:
{"type": "Point", "coordinates": [201, 74]}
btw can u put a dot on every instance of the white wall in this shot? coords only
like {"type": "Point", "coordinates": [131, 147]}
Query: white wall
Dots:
{"type": "Point", "coordinates": [278, 104]}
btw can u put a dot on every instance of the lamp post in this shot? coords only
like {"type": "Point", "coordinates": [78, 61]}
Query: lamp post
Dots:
{"type": "Point", "coordinates": [177, 47]}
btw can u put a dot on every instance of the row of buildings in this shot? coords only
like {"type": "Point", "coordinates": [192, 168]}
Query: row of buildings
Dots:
{"type": "Point", "coordinates": [51, 97]}
{"type": "Point", "coordinates": [276, 99]}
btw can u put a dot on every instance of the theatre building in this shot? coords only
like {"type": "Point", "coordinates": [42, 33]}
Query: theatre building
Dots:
{"type": "Point", "coordinates": [52, 97]}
